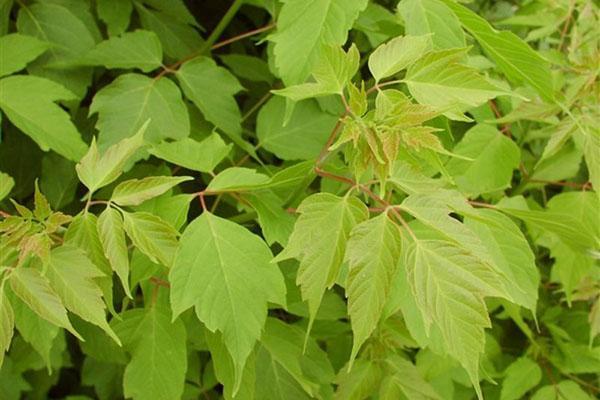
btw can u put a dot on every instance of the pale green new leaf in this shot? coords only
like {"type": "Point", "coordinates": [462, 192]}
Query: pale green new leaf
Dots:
{"type": "Point", "coordinates": [236, 179]}
{"type": "Point", "coordinates": [303, 27]}
{"type": "Point", "coordinates": [494, 156]}
{"type": "Point", "coordinates": [319, 242]}
{"type": "Point", "coordinates": [201, 156]}
{"type": "Point", "coordinates": [6, 185]}
{"type": "Point", "coordinates": [139, 49]}
{"type": "Point", "coordinates": [29, 103]}
{"type": "Point", "coordinates": [212, 88]}
{"type": "Point", "coordinates": [71, 273]}
{"type": "Point", "coordinates": [126, 104]}
{"type": "Point", "coordinates": [404, 380]}
{"type": "Point", "coordinates": [114, 244]}
{"type": "Point", "coordinates": [152, 236]}
{"type": "Point", "coordinates": [520, 376]}
{"type": "Point", "coordinates": [399, 53]}
{"type": "Point", "coordinates": [7, 322]}
{"type": "Point", "coordinates": [440, 80]}
{"type": "Point", "coordinates": [224, 271]}
{"type": "Point", "coordinates": [158, 357]}
{"type": "Point", "coordinates": [17, 51]}
{"type": "Point", "coordinates": [372, 254]}
{"type": "Point", "coordinates": [35, 291]}
{"type": "Point", "coordinates": [519, 62]}
{"type": "Point", "coordinates": [433, 17]}
{"type": "Point", "coordinates": [135, 191]}
{"type": "Point", "coordinates": [96, 170]}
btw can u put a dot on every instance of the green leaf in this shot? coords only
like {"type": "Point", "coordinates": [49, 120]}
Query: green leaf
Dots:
{"type": "Point", "coordinates": [302, 29]}
{"type": "Point", "coordinates": [275, 222]}
{"type": "Point", "coordinates": [6, 185]}
{"type": "Point", "coordinates": [152, 236]}
{"type": "Point", "coordinates": [212, 88]}
{"type": "Point", "coordinates": [115, 14]}
{"type": "Point", "coordinates": [201, 156]}
{"type": "Point", "coordinates": [35, 291]}
{"type": "Point", "coordinates": [97, 170]}
{"type": "Point", "coordinates": [360, 382]}
{"type": "Point", "coordinates": [136, 191]}
{"type": "Point", "coordinates": [70, 273]}
{"type": "Point", "coordinates": [372, 255]}
{"type": "Point", "coordinates": [114, 244]}
{"type": "Point", "coordinates": [423, 17]}
{"type": "Point", "coordinates": [224, 271]}
{"type": "Point", "coordinates": [7, 322]}
{"type": "Point", "coordinates": [59, 180]}
{"type": "Point", "coordinates": [399, 53]}
{"type": "Point", "coordinates": [319, 241]}
{"type": "Point", "coordinates": [439, 80]}
{"type": "Point", "coordinates": [139, 49]}
{"type": "Point", "coordinates": [520, 377]}
{"type": "Point", "coordinates": [19, 50]}
{"type": "Point", "coordinates": [591, 151]}
{"type": "Point", "coordinates": [236, 179]}
{"type": "Point", "coordinates": [562, 391]}
{"type": "Point", "coordinates": [301, 137]}
{"type": "Point", "coordinates": [519, 62]}
{"type": "Point", "coordinates": [158, 355]}
{"type": "Point", "coordinates": [126, 104]}
{"type": "Point", "coordinates": [494, 156]}
{"type": "Point", "coordinates": [404, 380]}
{"type": "Point", "coordinates": [29, 103]}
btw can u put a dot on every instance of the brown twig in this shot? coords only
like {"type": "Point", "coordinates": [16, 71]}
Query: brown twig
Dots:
{"type": "Point", "coordinates": [243, 36]}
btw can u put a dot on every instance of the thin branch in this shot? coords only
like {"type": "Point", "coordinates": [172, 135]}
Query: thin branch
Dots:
{"type": "Point", "coordinates": [243, 36]}
{"type": "Point", "coordinates": [216, 33]}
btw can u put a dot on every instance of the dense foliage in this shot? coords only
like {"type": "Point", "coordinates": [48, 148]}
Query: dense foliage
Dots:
{"type": "Point", "coordinates": [293, 199]}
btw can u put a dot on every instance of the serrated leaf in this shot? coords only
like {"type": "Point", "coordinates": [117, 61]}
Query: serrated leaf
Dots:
{"type": "Point", "coordinates": [138, 49]}
{"type": "Point", "coordinates": [319, 241]}
{"type": "Point", "coordinates": [397, 54]}
{"type": "Point", "coordinates": [112, 236]}
{"type": "Point", "coordinates": [29, 103]}
{"type": "Point", "coordinates": [441, 81]}
{"type": "Point", "coordinates": [229, 279]}
{"type": "Point", "coordinates": [96, 170]}
{"type": "Point", "coordinates": [433, 17]}
{"type": "Point", "coordinates": [520, 376]}
{"type": "Point", "coordinates": [158, 356]}
{"type": "Point", "coordinates": [303, 27]}
{"type": "Point", "coordinates": [372, 254]}
{"type": "Point", "coordinates": [212, 88]}
{"type": "Point", "coordinates": [519, 62]}
{"type": "Point", "coordinates": [152, 236]}
{"type": "Point", "coordinates": [17, 51]}
{"type": "Point", "coordinates": [125, 105]}
{"type": "Point", "coordinates": [71, 274]}
{"type": "Point", "coordinates": [201, 156]}
{"type": "Point", "coordinates": [35, 291]}
{"type": "Point", "coordinates": [360, 382]}
{"type": "Point", "coordinates": [7, 322]}
{"type": "Point", "coordinates": [136, 191]}
{"type": "Point", "coordinates": [236, 179]}
{"type": "Point", "coordinates": [403, 379]}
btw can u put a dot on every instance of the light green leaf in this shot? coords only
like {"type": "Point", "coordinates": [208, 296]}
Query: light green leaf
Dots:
{"type": "Point", "coordinates": [201, 156]}
{"type": "Point", "coordinates": [248, 67]}
{"type": "Point", "coordinates": [135, 191]}
{"type": "Point", "coordinates": [275, 222]}
{"type": "Point", "coordinates": [29, 103]}
{"type": "Point", "coordinates": [519, 62]}
{"type": "Point", "coordinates": [392, 57]}
{"type": "Point", "coordinates": [236, 179]}
{"type": "Point", "coordinates": [591, 151]}
{"type": "Point", "coordinates": [511, 254]}
{"type": "Point", "coordinates": [6, 185]}
{"type": "Point", "coordinates": [152, 236]}
{"type": "Point", "coordinates": [96, 170]}
{"type": "Point", "coordinates": [129, 101]}
{"type": "Point", "coordinates": [7, 322]}
{"type": "Point", "coordinates": [303, 27]}
{"type": "Point", "coordinates": [158, 356]}
{"type": "Point", "coordinates": [301, 137]}
{"type": "Point", "coordinates": [423, 17]}
{"type": "Point", "coordinates": [564, 390]}
{"type": "Point", "coordinates": [494, 156]}
{"type": "Point", "coordinates": [17, 51]}
{"type": "Point", "coordinates": [59, 180]}
{"type": "Point", "coordinates": [114, 244]}
{"type": "Point", "coordinates": [520, 377]}
{"type": "Point", "coordinates": [404, 380]}
{"type": "Point", "coordinates": [70, 273]}
{"type": "Point", "coordinates": [439, 80]}
{"type": "Point", "coordinates": [361, 382]}
{"type": "Point", "coordinates": [115, 14]}
{"type": "Point", "coordinates": [372, 255]}
{"type": "Point", "coordinates": [229, 279]}
{"type": "Point", "coordinates": [35, 291]}
{"type": "Point", "coordinates": [139, 49]}
{"type": "Point", "coordinates": [319, 241]}
{"type": "Point", "coordinates": [212, 88]}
